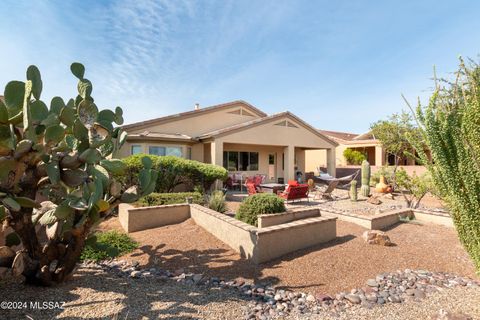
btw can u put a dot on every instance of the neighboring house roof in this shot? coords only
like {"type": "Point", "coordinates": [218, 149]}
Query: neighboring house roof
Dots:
{"type": "Point", "coordinates": [255, 122]}
{"type": "Point", "coordinates": [147, 135]}
{"type": "Point", "coordinates": [194, 113]}
{"type": "Point", "coordinates": [339, 135]}
{"type": "Point", "coordinates": [351, 138]}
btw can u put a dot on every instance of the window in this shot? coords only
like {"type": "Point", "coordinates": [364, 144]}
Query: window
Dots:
{"type": "Point", "coordinates": [189, 153]}
{"type": "Point", "coordinates": [165, 151]}
{"type": "Point", "coordinates": [271, 159]}
{"type": "Point", "coordinates": [240, 161]}
{"type": "Point", "coordinates": [174, 151]}
{"type": "Point", "coordinates": [158, 151]}
{"type": "Point", "coordinates": [253, 161]}
{"type": "Point", "coordinates": [135, 149]}
{"type": "Point", "coordinates": [232, 161]}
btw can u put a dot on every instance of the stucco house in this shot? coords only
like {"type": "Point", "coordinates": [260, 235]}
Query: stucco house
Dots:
{"type": "Point", "coordinates": [235, 135]}
{"type": "Point", "coordinates": [365, 143]}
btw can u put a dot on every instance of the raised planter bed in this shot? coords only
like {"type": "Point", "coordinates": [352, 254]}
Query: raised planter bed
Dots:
{"type": "Point", "coordinates": [386, 219]}
{"type": "Point", "coordinates": [286, 232]}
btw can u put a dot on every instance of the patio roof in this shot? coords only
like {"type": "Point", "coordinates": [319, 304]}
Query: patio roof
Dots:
{"type": "Point", "coordinates": [255, 122]}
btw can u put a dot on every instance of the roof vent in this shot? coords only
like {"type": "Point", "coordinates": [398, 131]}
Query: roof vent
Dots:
{"type": "Point", "coordinates": [197, 106]}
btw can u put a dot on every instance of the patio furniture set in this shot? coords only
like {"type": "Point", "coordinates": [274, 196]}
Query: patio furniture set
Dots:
{"type": "Point", "coordinates": [291, 191]}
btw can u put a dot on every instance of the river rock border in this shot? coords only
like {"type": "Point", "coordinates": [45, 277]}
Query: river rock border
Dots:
{"type": "Point", "coordinates": [268, 302]}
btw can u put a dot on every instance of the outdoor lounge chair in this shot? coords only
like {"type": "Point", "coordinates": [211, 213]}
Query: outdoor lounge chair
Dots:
{"type": "Point", "coordinates": [327, 193]}
{"type": "Point", "coordinates": [297, 192]}
{"type": "Point", "coordinates": [252, 188]}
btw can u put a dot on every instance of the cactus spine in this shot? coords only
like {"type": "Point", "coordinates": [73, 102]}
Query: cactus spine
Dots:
{"type": "Point", "coordinates": [365, 189]}
{"type": "Point", "coordinates": [353, 190]}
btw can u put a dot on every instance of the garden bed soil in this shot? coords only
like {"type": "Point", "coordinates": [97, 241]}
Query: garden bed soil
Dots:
{"type": "Point", "coordinates": [339, 265]}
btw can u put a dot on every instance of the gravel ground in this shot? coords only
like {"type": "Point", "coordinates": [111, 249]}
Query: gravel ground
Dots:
{"type": "Point", "coordinates": [98, 295]}
{"type": "Point", "coordinates": [340, 265]}
{"type": "Point", "coordinates": [457, 301]}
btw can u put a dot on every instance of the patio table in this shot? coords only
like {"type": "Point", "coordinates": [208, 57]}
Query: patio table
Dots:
{"type": "Point", "coordinates": [272, 187]}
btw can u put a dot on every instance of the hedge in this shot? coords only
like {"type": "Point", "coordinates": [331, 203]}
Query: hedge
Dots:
{"type": "Point", "coordinates": [158, 199]}
{"type": "Point", "coordinates": [353, 156]}
{"type": "Point", "coordinates": [260, 203]}
{"type": "Point", "coordinates": [174, 171]}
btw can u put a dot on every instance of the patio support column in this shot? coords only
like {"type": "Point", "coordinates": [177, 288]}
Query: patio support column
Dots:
{"type": "Point", "coordinates": [379, 156]}
{"type": "Point", "coordinates": [216, 150]}
{"type": "Point", "coordinates": [289, 165]}
{"type": "Point", "coordinates": [331, 162]}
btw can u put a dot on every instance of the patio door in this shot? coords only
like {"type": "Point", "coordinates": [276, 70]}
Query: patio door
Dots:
{"type": "Point", "coordinates": [272, 168]}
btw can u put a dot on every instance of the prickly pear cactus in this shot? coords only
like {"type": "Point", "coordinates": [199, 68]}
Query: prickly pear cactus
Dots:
{"type": "Point", "coordinates": [365, 189]}
{"type": "Point", "coordinates": [56, 172]}
{"type": "Point", "coordinates": [353, 190]}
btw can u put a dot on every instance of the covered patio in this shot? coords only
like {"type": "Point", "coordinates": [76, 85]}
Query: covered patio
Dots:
{"type": "Point", "coordinates": [273, 146]}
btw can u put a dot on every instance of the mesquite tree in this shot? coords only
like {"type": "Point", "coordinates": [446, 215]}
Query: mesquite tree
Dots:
{"type": "Point", "coordinates": [56, 176]}
{"type": "Point", "coordinates": [450, 128]}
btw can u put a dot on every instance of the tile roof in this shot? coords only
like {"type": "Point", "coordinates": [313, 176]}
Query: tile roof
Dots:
{"type": "Point", "coordinates": [339, 135]}
{"type": "Point", "coordinates": [147, 135]}
{"type": "Point", "coordinates": [194, 113]}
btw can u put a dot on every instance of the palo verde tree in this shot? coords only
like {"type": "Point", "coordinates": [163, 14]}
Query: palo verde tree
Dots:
{"type": "Point", "coordinates": [392, 134]}
{"type": "Point", "coordinates": [56, 176]}
{"type": "Point", "coordinates": [450, 128]}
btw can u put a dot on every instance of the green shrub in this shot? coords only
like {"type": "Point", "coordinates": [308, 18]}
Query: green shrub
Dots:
{"type": "Point", "coordinates": [174, 171]}
{"type": "Point", "coordinates": [216, 201]}
{"type": "Point", "coordinates": [413, 188]}
{"type": "Point", "coordinates": [260, 203]}
{"type": "Point", "coordinates": [353, 156]}
{"type": "Point", "coordinates": [158, 199]}
{"type": "Point", "coordinates": [105, 245]}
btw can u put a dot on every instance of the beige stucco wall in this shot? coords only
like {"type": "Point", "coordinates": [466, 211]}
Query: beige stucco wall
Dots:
{"type": "Point", "coordinates": [136, 219]}
{"type": "Point", "coordinates": [269, 133]}
{"type": "Point", "coordinates": [238, 235]}
{"type": "Point", "coordinates": [278, 240]}
{"type": "Point", "coordinates": [199, 124]}
{"type": "Point", "coordinates": [259, 245]}
{"type": "Point", "coordinates": [428, 217]}
{"type": "Point", "coordinates": [268, 220]}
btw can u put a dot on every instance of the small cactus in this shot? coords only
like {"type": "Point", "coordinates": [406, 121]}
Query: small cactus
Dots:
{"type": "Point", "coordinates": [353, 190]}
{"type": "Point", "coordinates": [365, 189]}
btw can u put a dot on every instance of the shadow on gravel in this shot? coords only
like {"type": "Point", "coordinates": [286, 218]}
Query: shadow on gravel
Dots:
{"type": "Point", "coordinates": [106, 296]}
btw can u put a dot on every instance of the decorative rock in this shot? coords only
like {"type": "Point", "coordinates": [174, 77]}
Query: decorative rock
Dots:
{"type": "Point", "coordinates": [323, 297]}
{"type": "Point", "coordinates": [135, 274]}
{"type": "Point", "coordinates": [197, 278]}
{"type": "Point", "coordinates": [419, 294]}
{"type": "Point", "coordinates": [178, 272]}
{"type": "Point", "coordinates": [445, 315]}
{"type": "Point", "coordinates": [353, 298]}
{"type": "Point", "coordinates": [311, 298]}
{"type": "Point", "coordinates": [376, 237]}
{"type": "Point", "coordinates": [374, 200]}
{"type": "Point", "coordinates": [372, 283]}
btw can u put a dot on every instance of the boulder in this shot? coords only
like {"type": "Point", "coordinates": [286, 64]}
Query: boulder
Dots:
{"type": "Point", "coordinates": [374, 200]}
{"type": "Point", "coordinates": [377, 237]}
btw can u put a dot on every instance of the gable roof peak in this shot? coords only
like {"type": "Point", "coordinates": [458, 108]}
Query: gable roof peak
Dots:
{"type": "Point", "coordinates": [196, 112]}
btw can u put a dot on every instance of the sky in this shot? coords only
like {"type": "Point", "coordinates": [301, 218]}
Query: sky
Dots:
{"type": "Point", "coordinates": [339, 65]}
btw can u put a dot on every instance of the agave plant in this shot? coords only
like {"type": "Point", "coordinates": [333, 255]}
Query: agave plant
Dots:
{"type": "Point", "coordinates": [56, 176]}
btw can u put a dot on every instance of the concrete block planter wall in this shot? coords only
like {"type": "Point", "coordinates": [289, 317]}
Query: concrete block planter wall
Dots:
{"type": "Point", "coordinates": [305, 228]}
